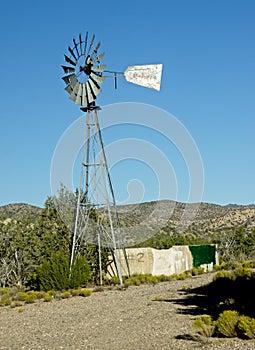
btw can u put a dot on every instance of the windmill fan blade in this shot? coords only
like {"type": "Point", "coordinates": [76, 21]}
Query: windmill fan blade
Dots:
{"type": "Point", "coordinates": [95, 49]}
{"type": "Point", "coordinates": [98, 79]}
{"type": "Point", "coordinates": [94, 86]}
{"type": "Point", "coordinates": [98, 58]}
{"type": "Point", "coordinates": [85, 44]}
{"type": "Point", "coordinates": [87, 97]}
{"type": "Point", "coordinates": [69, 78]}
{"type": "Point", "coordinates": [147, 75]}
{"type": "Point", "coordinates": [72, 53]}
{"type": "Point", "coordinates": [99, 68]}
{"type": "Point", "coordinates": [75, 91]}
{"type": "Point", "coordinates": [69, 89]}
{"type": "Point", "coordinates": [85, 101]}
{"type": "Point", "coordinates": [78, 100]}
{"type": "Point", "coordinates": [68, 60]}
{"type": "Point", "coordinates": [68, 69]}
{"type": "Point", "coordinates": [91, 43]}
{"type": "Point", "coordinates": [73, 82]}
{"type": "Point", "coordinates": [81, 43]}
{"type": "Point", "coordinates": [75, 46]}
{"type": "Point", "coordinates": [90, 94]}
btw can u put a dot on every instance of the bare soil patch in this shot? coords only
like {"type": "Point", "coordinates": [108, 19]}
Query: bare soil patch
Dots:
{"type": "Point", "coordinates": [144, 317]}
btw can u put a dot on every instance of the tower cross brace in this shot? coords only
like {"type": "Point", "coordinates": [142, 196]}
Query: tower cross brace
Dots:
{"type": "Point", "coordinates": [96, 218]}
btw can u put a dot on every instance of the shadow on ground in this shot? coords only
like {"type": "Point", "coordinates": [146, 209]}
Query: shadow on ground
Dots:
{"type": "Point", "coordinates": [222, 294]}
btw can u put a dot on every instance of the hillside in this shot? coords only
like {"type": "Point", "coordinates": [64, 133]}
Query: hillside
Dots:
{"type": "Point", "coordinates": [209, 217]}
{"type": "Point", "coordinates": [163, 216]}
{"type": "Point", "coordinates": [18, 211]}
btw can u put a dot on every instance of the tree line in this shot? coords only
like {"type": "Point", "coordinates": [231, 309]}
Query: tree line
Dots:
{"type": "Point", "coordinates": [35, 252]}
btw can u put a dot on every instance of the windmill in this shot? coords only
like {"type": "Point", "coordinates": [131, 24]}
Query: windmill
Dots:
{"type": "Point", "coordinates": [96, 217]}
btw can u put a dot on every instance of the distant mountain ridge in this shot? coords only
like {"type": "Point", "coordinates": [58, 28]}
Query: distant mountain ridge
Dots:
{"type": "Point", "coordinates": [233, 205]}
{"type": "Point", "coordinates": [208, 218]}
{"type": "Point", "coordinates": [18, 211]}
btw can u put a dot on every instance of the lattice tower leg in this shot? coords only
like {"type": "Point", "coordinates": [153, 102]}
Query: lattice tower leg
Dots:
{"type": "Point", "coordinates": [96, 212]}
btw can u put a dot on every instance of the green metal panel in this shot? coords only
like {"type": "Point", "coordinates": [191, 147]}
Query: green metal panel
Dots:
{"type": "Point", "coordinates": [203, 254]}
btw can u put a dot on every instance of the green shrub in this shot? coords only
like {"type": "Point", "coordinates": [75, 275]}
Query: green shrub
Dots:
{"type": "Point", "coordinates": [75, 292]}
{"type": "Point", "coordinates": [194, 271]}
{"type": "Point", "coordinates": [114, 280]}
{"type": "Point", "coordinates": [174, 276]}
{"type": "Point", "coordinates": [52, 293]}
{"type": "Point", "coordinates": [20, 296]}
{"type": "Point", "coordinates": [85, 292]}
{"type": "Point", "coordinates": [227, 323]}
{"type": "Point", "coordinates": [249, 264]}
{"type": "Point", "coordinates": [39, 295]}
{"type": "Point", "coordinates": [21, 309]}
{"type": "Point", "coordinates": [135, 281]}
{"type": "Point", "coordinates": [243, 272]}
{"type": "Point", "coordinates": [204, 325]}
{"type": "Point", "coordinates": [197, 271]}
{"type": "Point", "coordinates": [152, 279]}
{"type": "Point", "coordinates": [159, 298]}
{"type": "Point", "coordinates": [231, 265]}
{"type": "Point", "coordinates": [246, 327]}
{"type": "Point", "coordinates": [55, 273]}
{"type": "Point", "coordinates": [30, 297]}
{"type": "Point", "coordinates": [163, 278]}
{"type": "Point", "coordinates": [188, 274]}
{"type": "Point", "coordinates": [47, 297]}
{"type": "Point", "coordinates": [182, 276]}
{"type": "Point", "coordinates": [217, 267]}
{"type": "Point", "coordinates": [5, 290]}
{"type": "Point", "coordinates": [201, 270]}
{"type": "Point", "coordinates": [65, 295]}
{"type": "Point", "coordinates": [80, 274]}
{"type": "Point", "coordinates": [140, 279]}
{"type": "Point", "coordinates": [5, 301]}
{"type": "Point", "coordinates": [222, 274]}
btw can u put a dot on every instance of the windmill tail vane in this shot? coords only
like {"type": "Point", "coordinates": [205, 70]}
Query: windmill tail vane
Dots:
{"type": "Point", "coordinates": [146, 75]}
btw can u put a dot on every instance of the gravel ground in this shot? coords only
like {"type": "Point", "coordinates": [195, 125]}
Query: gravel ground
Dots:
{"type": "Point", "coordinates": [144, 317]}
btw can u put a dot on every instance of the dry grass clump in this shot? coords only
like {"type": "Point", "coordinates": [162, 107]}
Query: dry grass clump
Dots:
{"type": "Point", "coordinates": [204, 326]}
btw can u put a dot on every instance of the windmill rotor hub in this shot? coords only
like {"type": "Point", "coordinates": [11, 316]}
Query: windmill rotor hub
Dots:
{"type": "Point", "coordinates": [86, 69]}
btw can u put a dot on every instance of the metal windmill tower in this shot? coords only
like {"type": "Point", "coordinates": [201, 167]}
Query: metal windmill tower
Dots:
{"type": "Point", "coordinates": [96, 218]}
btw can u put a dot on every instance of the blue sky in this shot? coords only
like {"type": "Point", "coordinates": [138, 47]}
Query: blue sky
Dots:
{"type": "Point", "coordinates": [208, 84]}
